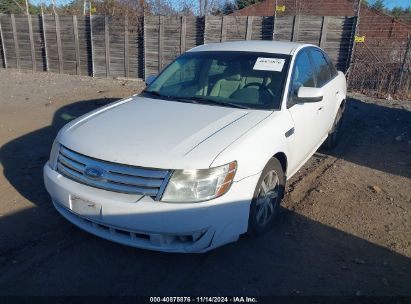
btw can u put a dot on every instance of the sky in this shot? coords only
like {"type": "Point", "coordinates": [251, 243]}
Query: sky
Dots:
{"type": "Point", "coordinates": [393, 3]}
{"type": "Point", "coordinates": [388, 3]}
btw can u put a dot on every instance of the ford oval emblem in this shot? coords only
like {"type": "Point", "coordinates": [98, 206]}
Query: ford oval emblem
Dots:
{"type": "Point", "coordinates": [94, 173]}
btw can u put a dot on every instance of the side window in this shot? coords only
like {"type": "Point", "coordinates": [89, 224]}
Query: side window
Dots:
{"type": "Point", "coordinates": [302, 76]}
{"type": "Point", "coordinates": [323, 73]}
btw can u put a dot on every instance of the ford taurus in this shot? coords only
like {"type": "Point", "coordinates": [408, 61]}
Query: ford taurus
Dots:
{"type": "Point", "coordinates": [203, 154]}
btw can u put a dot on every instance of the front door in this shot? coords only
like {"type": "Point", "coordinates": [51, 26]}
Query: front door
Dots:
{"type": "Point", "coordinates": [307, 116]}
{"type": "Point", "coordinates": [326, 80]}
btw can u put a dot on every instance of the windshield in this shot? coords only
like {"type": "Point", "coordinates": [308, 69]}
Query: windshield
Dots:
{"type": "Point", "coordinates": [236, 79]}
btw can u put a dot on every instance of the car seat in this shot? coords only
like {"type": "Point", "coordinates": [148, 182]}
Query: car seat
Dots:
{"type": "Point", "coordinates": [230, 82]}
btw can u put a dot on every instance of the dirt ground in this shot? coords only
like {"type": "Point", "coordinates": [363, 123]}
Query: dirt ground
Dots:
{"type": "Point", "coordinates": [344, 227]}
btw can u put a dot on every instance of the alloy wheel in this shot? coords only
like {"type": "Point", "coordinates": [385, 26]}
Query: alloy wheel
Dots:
{"type": "Point", "coordinates": [267, 198]}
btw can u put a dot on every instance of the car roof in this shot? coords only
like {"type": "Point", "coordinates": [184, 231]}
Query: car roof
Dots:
{"type": "Point", "coordinates": [275, 47]}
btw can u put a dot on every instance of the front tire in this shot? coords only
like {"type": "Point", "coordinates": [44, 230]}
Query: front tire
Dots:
{"type": "Point", "coordinates": [267, 198]}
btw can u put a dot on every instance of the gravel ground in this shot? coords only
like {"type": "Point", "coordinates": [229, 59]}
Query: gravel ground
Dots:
{"type": "Point", "coordinates": [344, 227]}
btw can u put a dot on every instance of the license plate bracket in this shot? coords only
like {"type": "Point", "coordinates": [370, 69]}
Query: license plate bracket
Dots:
{"type": "Point", "coordinates": [85, 208]}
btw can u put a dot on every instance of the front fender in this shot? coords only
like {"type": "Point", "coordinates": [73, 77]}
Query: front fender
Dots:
{"type": "Point", "coordinates": [254, 149]}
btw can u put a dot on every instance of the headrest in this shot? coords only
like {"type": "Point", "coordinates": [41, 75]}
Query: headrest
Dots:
{"type": "Point", "coordinates": [233, 72]}
{"type": "Point", "coordinates": [234, 77]}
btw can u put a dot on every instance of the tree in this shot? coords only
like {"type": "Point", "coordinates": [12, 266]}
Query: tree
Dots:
{"type": "Point", "coordinates": [161, 7]}
{"type": "Point", "coordinates": [224, 8]}
{"type": "Point", "coordinates": [244, 3]}
{"type": "Point", "coordinates": [131, 8]}
{"type": "Point", "coordinates": [11, 7]}
{"type": "Point", "coordinates": [186, 10]}
{"type": "Point", "coordinates": [186, 7]}
{"type": "Point", "coordinates": [365, 2]}
{"type": "Point", "coordinates": [403, 14]}
{"type": "Point", "coordinates": [17, 7]}
{"type": "Point", "coordinates": [229, 8]}
{"type": "Point", "coordinates": [396, 12]}
{"type": "Point", "coordinates": [75, 7]}
{"type": "Point", "coordinates": [379, 5]}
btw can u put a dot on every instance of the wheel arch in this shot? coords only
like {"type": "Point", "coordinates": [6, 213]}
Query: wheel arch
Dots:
{"type": "Point", "coordinates": [343, 104]}
{"type": "Point", "coordinates": [282, 158]}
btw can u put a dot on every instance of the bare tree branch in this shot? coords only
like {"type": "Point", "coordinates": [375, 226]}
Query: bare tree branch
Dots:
{"type": "Point", "coordinates": [18, 5]}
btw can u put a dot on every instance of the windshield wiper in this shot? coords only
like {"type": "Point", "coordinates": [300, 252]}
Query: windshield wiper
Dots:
{"type": "Point", "coordinates": [211, 101]}
{"type": "Point", "coordinates": [197, 99]}
{"type": "Point", "coordinates": [170, 97]}
{"type": "Point", "coordinates": [156, 94]}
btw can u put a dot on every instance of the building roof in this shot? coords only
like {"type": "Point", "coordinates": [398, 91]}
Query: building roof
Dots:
{"type": "Point", "coordinates": [266, 46]}
{"type": "Point", "coordinates": [294, 7]}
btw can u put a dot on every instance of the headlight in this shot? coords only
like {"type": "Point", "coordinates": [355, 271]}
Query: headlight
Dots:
{"type": "Point", "coordinates": [190, 186]}
{"type": "Point", "coordinates": [54, 154]}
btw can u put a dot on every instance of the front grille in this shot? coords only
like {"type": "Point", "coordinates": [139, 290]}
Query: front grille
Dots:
{"type": "Point", "coordinates": [112, 176]}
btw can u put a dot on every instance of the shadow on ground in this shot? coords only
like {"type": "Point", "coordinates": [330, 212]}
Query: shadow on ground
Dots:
{"type": "Point", "coordinates": [43, 254]}
{"type": "Point", "coordinates": [380, 138]}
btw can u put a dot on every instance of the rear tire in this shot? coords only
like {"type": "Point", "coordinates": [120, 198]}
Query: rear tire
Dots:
{"type": "Point", "coordinates": [334, 136]}
{"type": "Point", "coordinates": [267, 198]}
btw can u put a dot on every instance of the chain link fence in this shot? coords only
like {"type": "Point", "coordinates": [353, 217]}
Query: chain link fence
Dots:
{"type": "Point", "coordinates": [381, 62]}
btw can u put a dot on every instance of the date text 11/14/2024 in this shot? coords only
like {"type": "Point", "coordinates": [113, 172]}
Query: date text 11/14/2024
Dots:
{"type": "Point", "coordinates": [203, 300]}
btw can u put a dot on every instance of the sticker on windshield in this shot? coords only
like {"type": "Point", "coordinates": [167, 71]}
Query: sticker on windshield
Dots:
{"type": "Point", "coordinates": [269, 64]}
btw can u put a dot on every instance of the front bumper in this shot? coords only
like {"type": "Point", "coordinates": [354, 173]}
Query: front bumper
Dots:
{"type": "Point", "coordinates": [141, 222]}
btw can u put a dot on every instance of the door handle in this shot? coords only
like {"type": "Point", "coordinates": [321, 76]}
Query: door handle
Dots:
{"type": "Point", "coordinates": [337, 92]}
{"type": "Point", "coordinates": [289, 132]}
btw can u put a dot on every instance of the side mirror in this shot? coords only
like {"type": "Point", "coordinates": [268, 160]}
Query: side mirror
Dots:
{"type": "Point", "coordinates": [150, 79]}
{"type": "Point", "coordinates": [306, 94]}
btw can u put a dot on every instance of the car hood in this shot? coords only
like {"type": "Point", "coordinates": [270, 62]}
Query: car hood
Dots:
{"type": "Point", "coordinates": [158, 133]}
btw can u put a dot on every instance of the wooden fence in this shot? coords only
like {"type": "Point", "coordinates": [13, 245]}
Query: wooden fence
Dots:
{"type": "Point", "coordinates": [116, 47]}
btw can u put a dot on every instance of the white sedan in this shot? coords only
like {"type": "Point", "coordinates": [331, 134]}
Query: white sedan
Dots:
{"type": "Point", "coordinates": [203, 154]}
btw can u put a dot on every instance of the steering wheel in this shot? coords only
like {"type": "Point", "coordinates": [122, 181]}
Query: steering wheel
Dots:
{"type": "Point", "coordinates": [260, 87]}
